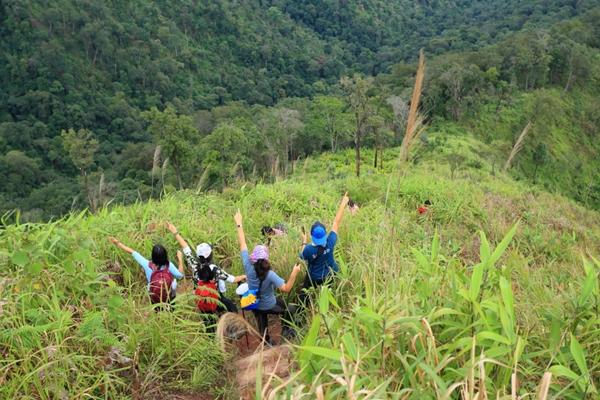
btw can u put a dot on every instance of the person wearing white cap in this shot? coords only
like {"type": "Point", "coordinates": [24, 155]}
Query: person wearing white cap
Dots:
{"type": "Point", "coordinates": [204, 270]}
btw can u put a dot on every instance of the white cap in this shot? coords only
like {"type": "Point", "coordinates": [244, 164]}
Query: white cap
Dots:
{"type": "Point", "coordinates": [203, 250]}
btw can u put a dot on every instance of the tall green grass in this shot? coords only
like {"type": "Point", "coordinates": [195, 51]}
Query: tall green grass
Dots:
{"type": "Point", "coordinates": [487, 292]}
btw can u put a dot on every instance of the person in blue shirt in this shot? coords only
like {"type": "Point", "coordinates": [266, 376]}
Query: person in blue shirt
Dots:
{"type": "Point", "coordinates": [318, 254]}
{"type": "Point", "coordinates": [159, 259]}
{"type": "Point", "coordinates": [260, 276]}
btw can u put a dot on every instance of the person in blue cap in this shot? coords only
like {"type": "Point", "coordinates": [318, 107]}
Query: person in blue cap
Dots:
{"type": "Point", "coordinates": [319, 252]}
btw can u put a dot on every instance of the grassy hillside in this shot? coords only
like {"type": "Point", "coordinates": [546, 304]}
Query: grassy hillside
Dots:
{"type": "Point", "coordinates": [497, 278]}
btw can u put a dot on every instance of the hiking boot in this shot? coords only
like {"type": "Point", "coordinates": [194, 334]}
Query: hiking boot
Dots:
{"type": "Point", "coordinates": [288, 333]}
{"type": "Point", "coordinates": [234, 333]}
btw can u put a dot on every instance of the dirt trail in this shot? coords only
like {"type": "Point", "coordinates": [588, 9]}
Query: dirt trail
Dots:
{"type": "Point", "coordinates": [251, 357]}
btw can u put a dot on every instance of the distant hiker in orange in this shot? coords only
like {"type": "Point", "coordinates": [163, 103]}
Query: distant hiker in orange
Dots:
{"type": "Point", "coordinates": [161, 274]}
{"type": "Point", "coordinates": [207, 276]}
{"type": "Point", "coordinates": [318, 254]}
{"type": "Point", "coordinates": [424, 208]}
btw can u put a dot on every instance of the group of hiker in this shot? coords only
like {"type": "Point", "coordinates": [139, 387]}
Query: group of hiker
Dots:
{"type": "Point", "coordinates": [262, 282]}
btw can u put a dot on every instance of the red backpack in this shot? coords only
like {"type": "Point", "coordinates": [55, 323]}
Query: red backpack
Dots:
{"type": "Point", "coordinates": [160, 284]}
{"type": "Point", "coordinates": [208, 296]}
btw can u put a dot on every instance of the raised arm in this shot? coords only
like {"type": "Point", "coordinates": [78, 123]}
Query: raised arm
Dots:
{"type": "Point", "coordinates": [175, 232]}
{"type": "Point", "coordinates": [304, 239]}
{"type": "Point", "coordinates": [120, 245]}
{"type": "Point", "coordinates": [180, 264]}
{"type": "Point", "coordinates": [340, 213]}
{"type": "Point", "coordinates": [240, 230]}
{"type": "Point", "coordinates": [287, 287]}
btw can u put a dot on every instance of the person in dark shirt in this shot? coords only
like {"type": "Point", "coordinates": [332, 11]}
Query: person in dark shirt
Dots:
{"type": "Point", "coordinates": [422, 209]}
{"type": "Point", "coordinates": [318, 254]}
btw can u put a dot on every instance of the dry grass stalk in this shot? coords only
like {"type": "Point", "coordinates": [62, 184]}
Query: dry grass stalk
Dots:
{"type": "Point", "coordinates": [156, 160]}
{"type": "Point", "coordinates": [267, 385]}
{"type": "Point", "coordinates": [272, 363]}
{"type": "Point", "coordinates": [163, 170]}
{"type": "Point", "coordinates": [414, 123]}
{"type": "Point", "coordinates": [319, 393]}
{"type": "Point", "coordinates": [518, 146]}
{"type": "Point", "coordinates": [545, 386]}
{"type": "Point", "coordinates": [452, 388]}
{"type": "Point", "coordinates": [155, 166]}
{"type": "Point", "coordinates": [202, 179]}
{"type": "Point", "coordinates": [101, 187]}
{"type": "Point", "coordinates": [285, 384]}
{"type": "Point", "coordinates": [430, 335]}
{"type": "Point", "coordinates": [482, 389]}
{"type": "Point", "coordinates": [471, 378]}
{"type": "Point", "coordinates": [275, 169]}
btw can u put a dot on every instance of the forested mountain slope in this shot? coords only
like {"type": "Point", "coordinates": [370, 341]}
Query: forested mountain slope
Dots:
{"type": "Point", "coordinates": [100, 65]}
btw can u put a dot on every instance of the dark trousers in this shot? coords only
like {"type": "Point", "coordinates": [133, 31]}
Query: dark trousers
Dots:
{"type": "Point", "coordinates": [228, 303]}
{"type": "Point", "coordinates": [310, 283]}
{"type": "Point", "coordinates": [280, 308]}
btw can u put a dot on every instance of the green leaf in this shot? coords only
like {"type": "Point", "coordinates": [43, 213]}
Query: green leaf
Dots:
{"type": "Point", "coordinates": [484, 247]}
{"type": "Point", "coordinates": [69, 266]}
{"type": "Point", "coordinates": [487, 335]}
{"type": "Point", "coordinates": [507, 322]}
{"type": "Point", "coordinates": [20, 258]}
{"type": "Point", "coordinates": [350, 346]}
{"type": "Point", "coordinates": [521, 343]}
{"type": "Point", "coordinates": [499, 250]}
{"type": "Point", "coordinates": [476, 279]}
{"type": "Point", "coordinates": [310, 340]}
{"type": "Point", "coordinates": [589, 284]}
{"type": "Point", "coordinates": [34, 268]}
{"type": "Point", "coordinates": [324, 300]}
{"type": "Point", "coordinates": [578, 355]}
{"type": "Point", "coordinates": [439, 381]}
{"type": "Point", "coordinates": [443, 312]}
{"type": "Point", "coordinates": [555, 333]}
{"type": "Point", "coordinates": [560, 370]}
{"type": "Point", "coordinates": [368, 314]}
{"type": "Point", "coordinates": [332, 299]}
{"type": "Point", "coordinates": [323, 352]}
{"type": "Point", "coordinates": [507, 297]}
{"type": "Point", "coordinates": [422, 261]}
{"type": "Point", "coordinates": [115, 302]}
{"type": "Point", "coordinates": [313, 332]}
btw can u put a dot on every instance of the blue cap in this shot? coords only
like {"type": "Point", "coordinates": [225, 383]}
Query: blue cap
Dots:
{"type": "Point", "coordinates": [318, 234]}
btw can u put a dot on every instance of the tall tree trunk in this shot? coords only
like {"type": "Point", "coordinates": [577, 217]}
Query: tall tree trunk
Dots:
{"type": "Point", "coordinates": [381, 158]}
{"type": "Point", "coordinates": [86, 183]}
{"type": "Point", "coordinates": [177, 172]}
{"type": "Point", "coordinates": [357, 148]}
{"type": "Point", "coordinates": [570, 78]}
{"type": "Point", "coordinates": [375, 160]}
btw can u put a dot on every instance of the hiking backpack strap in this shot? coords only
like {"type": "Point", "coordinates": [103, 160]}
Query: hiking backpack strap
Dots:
{"type": "Point", "coordinates": [260, 286]}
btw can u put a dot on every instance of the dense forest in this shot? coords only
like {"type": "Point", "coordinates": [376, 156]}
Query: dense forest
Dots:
{"type": "Point", "coordinates": [112, 101]}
